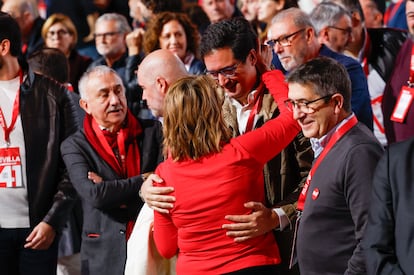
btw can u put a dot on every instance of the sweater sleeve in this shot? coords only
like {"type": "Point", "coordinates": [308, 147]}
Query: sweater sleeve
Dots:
{"type": "Point", "coordinates": [269, 140]}
{"type": "Point", "coordinates": [165, 232]}
{"type": "Point", "coordinates": [165, 235]}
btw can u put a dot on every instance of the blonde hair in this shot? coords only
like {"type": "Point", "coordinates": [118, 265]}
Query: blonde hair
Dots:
{"type": "Point", "coordinates": [64, 20]}
{"type": "Point", "coordinates": [193, 122]}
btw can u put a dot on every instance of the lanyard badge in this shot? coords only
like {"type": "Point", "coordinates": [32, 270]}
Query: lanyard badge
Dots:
{"type": "Point", "coordinates": [405, 98]}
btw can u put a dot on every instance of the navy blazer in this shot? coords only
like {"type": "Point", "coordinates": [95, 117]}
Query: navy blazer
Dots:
{"type": "Point", "coordinates": [388, 240]}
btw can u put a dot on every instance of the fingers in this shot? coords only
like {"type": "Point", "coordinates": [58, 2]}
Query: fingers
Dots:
{"type": "Point", "coordinates": [94, 177]}
{"type": "Point", "coordinates": [41, 237]}
{"type": "Point", "coordinates": [255, 206]}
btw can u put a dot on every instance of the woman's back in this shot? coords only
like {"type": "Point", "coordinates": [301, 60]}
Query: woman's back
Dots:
{"type": "Point", "coordinates": [206, 190]}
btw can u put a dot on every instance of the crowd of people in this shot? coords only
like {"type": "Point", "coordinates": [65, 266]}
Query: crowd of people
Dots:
{"type": "Point", "coordinates": [280, 138]}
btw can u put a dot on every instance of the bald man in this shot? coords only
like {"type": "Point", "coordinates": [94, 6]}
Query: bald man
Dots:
{"type": "Point", "coordinates": [156, 73]}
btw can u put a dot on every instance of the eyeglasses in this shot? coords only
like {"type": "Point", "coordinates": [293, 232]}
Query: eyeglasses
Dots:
{"type": "Point", "coordinates": [303, 105]}
{"type": "Point", "coordinates": [227, 72]}
{"type": "Point", "coordinates": [105, 35]}
{"type": "Point", "coordinates": [345, 30]}
{"type": "Point", "coordinates": [59, 33]}
{"type": "Point", "coordinates": [284, 41]}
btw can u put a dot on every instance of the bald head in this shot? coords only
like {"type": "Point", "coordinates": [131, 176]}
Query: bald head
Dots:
{"type": "Point", "coordinates": [158, 71]}
{"type": "Point", "coordinates": [162, 63]}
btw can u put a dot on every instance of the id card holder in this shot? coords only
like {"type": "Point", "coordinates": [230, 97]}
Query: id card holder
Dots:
{"type": "Point", "coordinates": [403, 104]}
{"type": "Point", "coordinates": [10, 168]}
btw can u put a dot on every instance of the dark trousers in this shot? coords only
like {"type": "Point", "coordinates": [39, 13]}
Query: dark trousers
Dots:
{"type": "Point", "coordinates": [17, 260]}
{"type": "Point", "coordinates": [257, 270]}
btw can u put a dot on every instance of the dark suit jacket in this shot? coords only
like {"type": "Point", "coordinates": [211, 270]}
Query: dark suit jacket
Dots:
{"type": "Point", "coordinates": [109, 205]}
{"type": "Point", "coordinates": [388, 239]}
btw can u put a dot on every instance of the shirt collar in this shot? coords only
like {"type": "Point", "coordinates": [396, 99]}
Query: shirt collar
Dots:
{"type": "Point", "coordinates": [319, 144]}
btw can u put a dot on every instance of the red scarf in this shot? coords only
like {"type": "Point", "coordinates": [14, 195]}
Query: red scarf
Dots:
{"type": "Point", "coordinates": [128, 133]}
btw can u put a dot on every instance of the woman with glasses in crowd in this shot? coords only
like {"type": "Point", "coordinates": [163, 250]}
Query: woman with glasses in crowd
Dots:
{"type": "Point", "coordinates": [59, 32]}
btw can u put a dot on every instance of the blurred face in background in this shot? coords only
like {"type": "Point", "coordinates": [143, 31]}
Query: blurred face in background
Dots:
{"type": "Point", "coordinates": [373, 17]}
{"type": "Point", "coordinates": [409, 11]}
{"type": "Point", "coordinates": [268, 9]}
{"type": "Point", "coordinates": [339, 35]}
{"type": "Point", "coordinates": [249, 9]}
{"type": "Point", "coordinates": [59, 37]}
{"type": "Point", "coordinates": [174, 39]}
{"type": "Point", "coordinates": [295, 40]}
{"type": "Point", "coordinates": [218, 10]}
{"type": "Point", "coordinates": [109, 40]}
{"type": "Point", "coordinates": [138, 11]}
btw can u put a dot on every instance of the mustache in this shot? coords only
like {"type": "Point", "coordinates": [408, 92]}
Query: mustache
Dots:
{"type": "Point", "coordinates": [114, 108]}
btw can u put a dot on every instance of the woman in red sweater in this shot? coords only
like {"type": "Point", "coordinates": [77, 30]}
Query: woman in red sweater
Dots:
{"type": "Point", "coordinates": [212, 175]}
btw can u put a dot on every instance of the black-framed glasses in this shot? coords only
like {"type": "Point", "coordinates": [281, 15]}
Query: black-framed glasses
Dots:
{"type": "Point", "coordinates": [347, 30]}
{"type": "Point", "coordinates": [229, 71]}
{"type": "Point", "coordinates": [303, 105]}
{"type": "Point", "coordinates": [106, 35]}
{"type": "Point", "coordinates": [59, 33]}
{"type": "Point", "coordinates": [284, 41]}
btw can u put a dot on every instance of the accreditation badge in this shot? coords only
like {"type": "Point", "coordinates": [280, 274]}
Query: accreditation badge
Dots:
{"type": "Point", "coordinates": [403, 104]}
{"type": "Point", "coordinates": [10, 168]}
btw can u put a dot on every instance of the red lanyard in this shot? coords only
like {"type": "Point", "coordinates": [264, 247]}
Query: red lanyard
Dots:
{"type": "Point", "coordinates": [120, 139]}
{"type": "Point", "coordinates": [411, 78]}
{"type": "Point", "coordinates": [335, 137]}
{"type": "Point", "coordinates": [257, 106]}
{"type": "Point", "coordinates": [15, 114]}
{"type": "Point", "coordinates": [365, 65]}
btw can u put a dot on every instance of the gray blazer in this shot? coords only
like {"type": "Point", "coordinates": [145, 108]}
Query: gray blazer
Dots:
{"type": "Point", "coordinates": [109, 205]}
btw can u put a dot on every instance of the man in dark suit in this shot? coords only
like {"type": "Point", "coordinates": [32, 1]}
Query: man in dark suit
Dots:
{"type": "Point", "coordinates": [105, 161]}
{"type": "Point", "coordinates": [388, 239]}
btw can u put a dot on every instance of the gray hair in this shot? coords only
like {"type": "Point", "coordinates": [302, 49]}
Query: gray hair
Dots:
{"type": "Point", "coordinates": [99, 70]}
{"type": "Point", "coordinates": [28, 6]}
{"type": "Point", "coordinates": [121, 21]}
{"type": "Point", "coordinates": [296, 15]}
{"type": "Point", "coordinates": [327, 14]}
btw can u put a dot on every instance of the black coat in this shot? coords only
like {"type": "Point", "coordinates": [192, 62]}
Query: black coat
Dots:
{"type": "Point", "coordinates": [49, 114]}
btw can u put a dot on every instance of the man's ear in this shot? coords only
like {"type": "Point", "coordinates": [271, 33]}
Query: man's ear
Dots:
{"type": "Point", "coordinates": [161, 84]}
{"type": "Point", "coordinates": [4, 47]}
{"type": "Point", "coordinates": [279, 5]}
{"type": "Point", "coordinates": [252, 57]}
{"type": "Point", "coordinates": [84, 105]}
{"type": "Point", "coordinates": [323, 35]}
{"type": "Point", "coordinates": [310, 34]}
{"type": "Point", "coordinates": [338, 101]}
